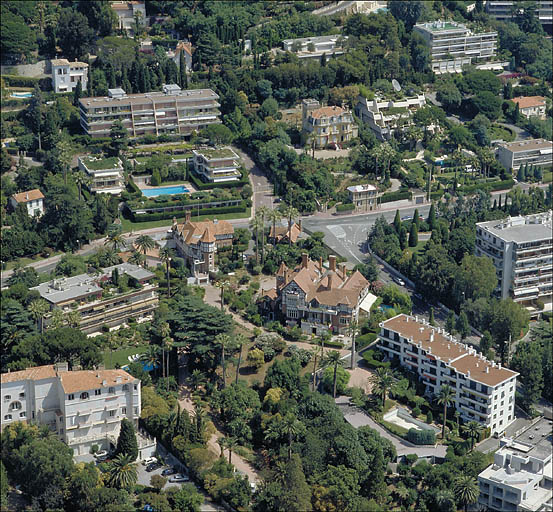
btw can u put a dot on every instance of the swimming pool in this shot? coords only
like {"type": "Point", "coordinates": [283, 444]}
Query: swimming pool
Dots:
{"type": "Point", "coordinates": [161, 191]}
{"type": "Point", "coordinates": [22, 94]}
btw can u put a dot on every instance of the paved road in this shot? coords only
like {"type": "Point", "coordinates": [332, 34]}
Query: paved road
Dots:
{"type": "Point", "coordinates": [358, 418]}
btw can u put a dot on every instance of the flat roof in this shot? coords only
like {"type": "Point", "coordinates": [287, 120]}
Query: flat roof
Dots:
{"type": "Point", "coordinates": [530, 228]}
{"type": "Point", "coordinates": [440, 26]}
{"type": "Point", "coordinates": [215, 153]}
{"type": "Point", "coordinates": [537, 438]}
{"type": "Point", "coordinates": [447, 349]}
{"type": "Point", "coordinates": [315, 39]}
{"type": "Point", "coordinates": [362, 188]}
{"type": "Point", "coordinates": [527, 145]}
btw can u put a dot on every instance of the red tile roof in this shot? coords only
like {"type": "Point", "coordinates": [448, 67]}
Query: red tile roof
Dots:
{"type": "Point", "coordinates": [30, 195]}
{"type": "Point", "coordinates": [529, 101]}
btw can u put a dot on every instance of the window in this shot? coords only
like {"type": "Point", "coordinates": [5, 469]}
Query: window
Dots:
{"type": "Point", "coordinates": [125, 387]}
{"type": "Point", "coordinates": [21, 395]}
{"type": "Point", "coordinates": [8, 417]}
{"type": "Point", "coordinates": [61, 430]}
{"type": "Point", "coordinates": [22, 414]}
{"type": "Point", "coordinates": [7, 398]}
{"type": "Point", "coordinates": [111, 391]}
{"type": "Point", "coordinates": [123, 410]}
{"type": "Point", "coordinates": [136, 410]}
{"type": "Point", "coordinates": [111, 414]}
{"type": "Point", "coordinates": [97, 392]}
{"type": "Point", "coordinates": [84, 396]}
{"type": "Point", "coordinates": [135, 387]}
{"type": "Point", "coordinates": [71, 397]}
{"type": "Point", "coordinates": [15, 406]}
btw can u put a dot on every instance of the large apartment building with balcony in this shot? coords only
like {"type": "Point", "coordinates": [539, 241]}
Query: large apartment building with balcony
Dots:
{"type": "Point", "coordinates": [84, 294]}
{"type": "Point", "coordinates": [171, 110]}
{"type": "Point", "coordinates": [106, 174]}
{"type": "Point", "coordinates": [216, 165]}
{"type": "Point", "coordinates": [326, 125]}
{"type": "Point", "coordinates": [83, 407]}
{"type": "Point", "coordinates": [453, 45]}
{"type": "Point", "coordinates": [386, 116]}
{"type": "Point", "coordinates": [318, 299]}
{"type": "Point", "coordinates": [503, 10]}
{"type": "Point", "coordinates": [521, 476]}
{"type": "Point", "coordinates": [484, 391]}
{"type": "Point", "coordinates": [522, 252]}
{"type": "Point", "coordinates": [538, 152]}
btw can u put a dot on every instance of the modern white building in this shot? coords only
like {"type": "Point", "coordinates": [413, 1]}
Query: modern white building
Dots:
{"type": "Point", "coordinates": [538, 152]}
{"type": "Point", "coordinates": [106, 174]}
{"type": "Point", "coordinates": [453, 45]}
{"type": "Point", "coordinates": [216, 165]}
{"type": "Point", "coordinates": [32, 199]}
{"type": "Point", "coordinates": [128, 12]}
{"type": "Point", "coordinates": [66, 75]}
{"type": "Point", "coordinates": [84, 407]}
{"type": "Point", "coordinates": [520, 478]}
{"type": "Point", "coordinates": [522, 252]}
{"type": "Point", "coordinates": [386, 116]}
{"type": "Point", "coordinates": [484, 391]}
{"type": "Point", "coordinates": [502, 10]}
{"type": "Point", "coordinates": [315, 47]}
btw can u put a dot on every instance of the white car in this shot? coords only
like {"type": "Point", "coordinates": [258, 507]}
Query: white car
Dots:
{"type": "Point", "coordinates": [101, 455]}
{"type": "Point", "coordinates": [149, 460]}
{"type": "Point", "coordinates": [399, 281]}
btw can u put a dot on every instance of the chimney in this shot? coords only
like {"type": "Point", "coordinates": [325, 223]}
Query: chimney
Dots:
{"type": "Point", "coordinates": [468, 374]}
{"type": "Point", "coordinates": [321, 264]}
{"type": "Point", "coordinates": [187, 216]}
{"type": "Point", "coordinates": [332, 262]}
{"type": "Point", "coordinates": [104, 382]}
{"type": "Point", "coordinates": [299, 225]}
{"type": "Point", "coordinates": [61, 367]}
{"type": "Point", "coordinates": [487, 369]}
{"type": "Point", "coordinates": [499, 365]}
{"type": "Point", "coordinates": [432, 336]}
{"type": "Point", "coordinates": [343, 269]}
{"type": "Point", "coordinates": [175, 223]}
{"type": "Point", "coordinates": [26, 196]}
{"type": "Point", "coordinates": [303, 260]}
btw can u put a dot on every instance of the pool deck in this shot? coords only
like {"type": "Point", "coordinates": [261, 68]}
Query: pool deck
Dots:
{"type": "Point", "coordinates": [185, 184]}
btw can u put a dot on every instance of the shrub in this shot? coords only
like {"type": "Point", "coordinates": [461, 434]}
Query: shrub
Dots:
{"type": "Point", "coordinates": [416, 412]}
{"type": "Point", "coordinates": [540, 305]}
{"type": "Point", "coordinates": [348, 207]}
{"type": "Point", "coordinates": [396, 196]}
{"type": "Point", "coordinates": [370, 356]}
{"type": "Point", "coordinates": [365, 339]}
{"type": "Point", "coordinates": [395, 429]}
{"type": "Point", "coordinates": [429, 417]}
{"type": "Point", "coordinates": [94, 448]}
{"type": "Point", "coordinates": [342, 379]}
{"type": "Point", "coordinates": [421, 436]}
{"type": "Point", "coordinates": [411, 458]}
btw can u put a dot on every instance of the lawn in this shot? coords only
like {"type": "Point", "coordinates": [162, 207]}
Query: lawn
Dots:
{"type": "Point", "coordinates": [27, 261]}
{"type": "Point", "coordinates": [547, 177]}
{"type": "Point", "coordinates": [121, 356]}
{"type": "Point", "coordinates": [417, 250]}
{"type": "Point", "coordinates": [496, 132]}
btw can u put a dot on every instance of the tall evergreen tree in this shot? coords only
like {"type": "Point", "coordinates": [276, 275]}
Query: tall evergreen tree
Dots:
{"type": "Point", "coordinates": [432, 217]}
{"type": "Point", "coordinates": [182, 70]}
{"type": "Point", "coordinates": [126, 442]}
{"type": "Point", "coordinates": [77, 93]}
{"type": "Point", "coordinates": [416, 218]}
{"type": "Point", "coordinates": [397, 222]}
{"type": "Point", "coordinates": [413, 235]}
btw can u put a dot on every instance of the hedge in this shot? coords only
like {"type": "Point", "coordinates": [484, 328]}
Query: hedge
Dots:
{"type": "Point", "coordinates": [145, 217]}
{"type": "Point", "coordinates": [421, 436]}
{"type": "Point", "coordinates": [347, 207]}
{"type": "Point", "coordinates": [332, 344]}
{"type": "Point", "coordinates": [496, 185]}
{"type": "Point", "coordinates": [396, 196]}
{"type": "Point", "coordinates": [27, 81]}
{"type": "Point", "coordinates": [200, 185]}
{"type": "Point", "coordinates": [437, 194]}
{"type": "Point", "coordinates": [368, 356]}
{"type": "Point", "coordinates": [395, 429]}
{"type": "Point", "coordinates": [365, 339]}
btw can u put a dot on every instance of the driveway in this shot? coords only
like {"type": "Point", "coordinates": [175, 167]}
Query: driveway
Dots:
{"type": "Point", "coordinates": [358, 418]}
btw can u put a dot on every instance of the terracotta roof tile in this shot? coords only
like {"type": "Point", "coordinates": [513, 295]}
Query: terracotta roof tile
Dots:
{"type": "Point", "coordinates": [36, 373]}
{"type": "Point", "coordinates": [30, 195]}
{"type": "Point", "coordinates": [86, 380]}
{"type": "Point", "coordinates": [193, 231]}
{"type": "Point", "coordinates": [529, 101]}
{"type": "Point", "coordinates": [326, 112]}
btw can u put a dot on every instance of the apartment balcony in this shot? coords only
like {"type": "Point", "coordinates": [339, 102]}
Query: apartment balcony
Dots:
{"type": "Point", "coordinates": [468, 409]}
{"type": "Point", "coordinates": [478, 402]}
{"type": "Point", "coordinates": [477, 393]}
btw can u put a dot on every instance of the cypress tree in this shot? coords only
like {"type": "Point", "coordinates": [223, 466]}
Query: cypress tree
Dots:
{"type": "Point", "coordinates": [432, 217]}
{"type": "Point", "coordinates": [397, 222]}
{"type": "Point", "coordinates": [516, 115]}
{"type": "Point", "coordinates": [499, 204]}
{"type": "Point", "coordinates": [402, 238]}
{"type": "Point", "coordinates": [520, 173]}
{"type": "Point", "coordinates": [126, 442]}
{"type": "Point", "coordinates": [538, 173]}
{"type": "Point", "coordinates": [462, 325]}
{"type": "Point", "coordinates": [77, 93]}
{"type": "Point", "coordinates": [526, 170]}
{"type": "Point", "coordinates": [416, 218]}
{"type": "Point", "coordinates": [495, 204]}
{"type": "Point", "coordinates": [431, 321]}
{"type": "Point", "coordinates": [450, 323]}
{"type": "Point", "coordinates": [413, 235]}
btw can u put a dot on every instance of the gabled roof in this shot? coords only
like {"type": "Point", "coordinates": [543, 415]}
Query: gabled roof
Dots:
{"type": "Point", "coordinates": [86, 380]}
{"type": "Point", "coordinates": [35, 373]}
{"type": "Point", "coordinates": [281, 233]}
{"type": "Point", "coordinates": [208, 237]}
{"type": "Point", "coordinates": [282, 269]}
{"type": "Point", "coordinates": [529, 101]}
{"type": "Point", "coordinates": [193, 232]}
{"type": "Point", "coordinates": [30, 195]}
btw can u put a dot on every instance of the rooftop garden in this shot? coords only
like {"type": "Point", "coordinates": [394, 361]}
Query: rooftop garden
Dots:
{"type": "Point", "coordinates": [97, 164]}
{"type": "Point", "coordinates": [212, 154]}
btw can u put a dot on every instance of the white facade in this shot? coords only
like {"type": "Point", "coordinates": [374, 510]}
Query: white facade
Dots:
{"type": "Point", "coordinates": [386, 116]}
{"type": "Point", "coordinates": [531, 151]}
{"type": "Point", "coordinates": [453, 45]}
{"type": "Point", "coordinates": [32, 199]}
{"type": "Point", "coordinates": [521, 251]}
{"type": "Point", "coordinates": [66, 75]}
{"type": "Point", "coordinates": [127, 11]}
{"type": "Point", "coordinates": [109, 180]}
{"type": "Point", "coordinates": [501, 10]}
{"type": "Point", "coordinates": [186, 49]}
{"type": "Point", "coordinates": [315, 47]}
{"type": "Point", "coordinates": [484, 391]}
{"type": "Point", "coordinates": [520, 479]}
{"type": "Point", "coordinates": [83, 407]}
{"type": "Point", "coordinates": [217, 165]}
{"type": "Point", "coordinates": [327, 125]}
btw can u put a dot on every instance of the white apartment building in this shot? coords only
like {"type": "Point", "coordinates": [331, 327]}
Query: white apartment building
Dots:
{"type": "Point", "coordinates": [522, 252]}
{"type": "Point", "coordinates": [520, 478]}
{"type": "Point", "coordinates": [386, 116]}
{"type": "Point", "coordinates": [66, 75]}
{"type": "Point", "coordinates": [502, 10]}
{"type": "Point", "coordinates": [530, 151]}
{"type": "Point", "coordinates": [484, 391]}
{"type": "Point", "coordinates": [364, 197]}
{"type": "Point", "coordinates": [453, 45]}
{"type": "Point", "coordinates": [106, 174]}
{"type": "Point", "coordinates": [32, 199]}
{"type": "Point", "coordinates": [327, 125]}
{"type": "Point", "coordinates": [216, 165]}
{"type": "Point", "coordinates": [315, 47]}
{"type": "Point", "coordinates": [83, 407]}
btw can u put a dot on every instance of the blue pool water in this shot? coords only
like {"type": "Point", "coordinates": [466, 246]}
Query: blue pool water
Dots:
{"type": "Point", "coordinates": [22, 94]}
{"type": "Point", "coordinates": [384, 307]}
{"type": "Point", "coordinates": [146, 366]}
{"type": "Point", "coordinates": [169, 191]}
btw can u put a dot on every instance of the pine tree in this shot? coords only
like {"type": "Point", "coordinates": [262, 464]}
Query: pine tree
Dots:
{"type": "Point", "coordinates": [397, 222]}
{"type": "Point", "coordinates": [77, 93]}
{"type": "Point", "coordinates": [413, 235]}
{"type": "Point", "coordinates": [462, 325]}
{"type": "Point", "coordinates": [126, 442]}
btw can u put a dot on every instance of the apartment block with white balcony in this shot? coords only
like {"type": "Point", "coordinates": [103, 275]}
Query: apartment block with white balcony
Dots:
{"type": "Point", "coordinates": [503, 10]}
{"type": "Point", "coordinates": [171, 110]}
{"type": "Point", "coordinates": [325, 126]}
{"type": "Point", "coordinates": [520, 478]}
{"type": "Point", "coordinates": [106, 174]}
{"type": "Point", "coordinates": [66, 75]}
{"type": "Point", "coordinates": [453, 45]}
{"type": "Point", "coordinates": [522, 252]}
{"type": "Point", "coordinates": [484, 391]}
{"type": "Point", "coordinates": [216, 165]}
{"type": "Point", "coordinates": [538, 152]}
{"type": "Point", "coordinates": [83, 407]}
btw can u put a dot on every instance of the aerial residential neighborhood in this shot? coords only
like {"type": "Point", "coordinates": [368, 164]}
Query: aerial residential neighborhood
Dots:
{"type": "Point", "coordinates": [276, 256]}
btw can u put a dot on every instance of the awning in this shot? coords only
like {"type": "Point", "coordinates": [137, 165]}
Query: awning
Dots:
{"type": "Point", "coordinates": [526, 291]}
{"type": "Point", "coordinates": [367, 302]}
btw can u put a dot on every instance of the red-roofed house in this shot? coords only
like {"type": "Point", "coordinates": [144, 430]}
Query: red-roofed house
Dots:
{"type": "Point", "coordinates": [531, 106]}
{"type": "Point", "coordinates": [33, 199]}
{"type": "Point", "coordinates": [327, 125]}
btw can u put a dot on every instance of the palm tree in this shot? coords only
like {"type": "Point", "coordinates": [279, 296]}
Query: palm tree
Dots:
{"type": "Point", "coordinates": [231, 444]}
{"type": "Point", "coordinates": [466, 490]}
{"type": "Point", "coordinates": [316, 351]}
{"type": "Point", "coordinates": [445, 397]}
{"type": "Point", "coordinates": [222, 442]}
{"type": "Point", "coordinates": [165, 255]}
{"type": "Point", "coordinates": [73, 319]}
{"type": "Point", "coordinates": [145, 243]}
{"type": "Point", "coordinates": [196, 378]}
{"type": "Point", "coordinates": [111, 342]}
{"type": "Point", "coordinates": [382, 381]}
{"type": "Point", "coordinates": [115, 238]}
{"type": "Point", "coordinates": [352, 329]}
{"type": "Point", "coordinates": [224, 283]}
{"type": "Point", "coordinates": [167, 345]}
{"type": "Point", "coordinates": [333, 358]}
{"type": "Point", "coordinates": [64, 156]}
{"type": "Point", "coordinates": [224, 341]}
{"type": "Point", "coordinates": [291, 427]}
{"type": "Point", "coordinates": [256, 225]}
{"type": "Point", "coordinates": [122, 472]}
{"type": "Point", "coordinates": [239, 342]}
{"type": "Point", "coordinates": [291, 214]}
{"type": "Point", "coordinates": [57, 319]}
{"type": "Point", "coordinates": [81, 179]}
{"type": "Point", "coordinates": [137, 258]}
{"type": "Point", "coordinates": [38, 308]}
{"type": "Point", "coordinates": [401, 492]}
{"type": "Point", "coordinates": [263, 212]}
{"type": "Point", "coordinates": [274, 216]}
{"type": "Point", "coordinates": [164, 332]}
{"type": "Point", "coordinates": [472, 429]}
{"type": "Point", "coordinates": [151, 356]}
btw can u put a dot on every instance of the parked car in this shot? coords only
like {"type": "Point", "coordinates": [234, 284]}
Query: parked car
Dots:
{"type": "Point", "coordinates": [101, 455]}
{"type": "Point", "coordinates": [406, 217]}
{"type": "Point", "coordinates": [399, 281]}
{"type": "Point", "coordinates": [179, 477]}
{"type": "Point", "coordinates": [149, 460]}
{"type": "Point", "coordinates": [168, 471]}
{"type": "Point", "coordinates": [153, 466]}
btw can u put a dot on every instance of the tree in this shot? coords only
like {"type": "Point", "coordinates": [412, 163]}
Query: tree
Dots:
{"type": "Point", "coordinates": [122, 472]}
{"type": "Point", "coordinates": [188, 499]}
{"type": "Point", "coordinates": [239, 342]}
{"type": "Point", "coordinates": [431, 321]}
{"type": "Point", "coordinates": [397, 222]}
{"type": "Point", "coordinates": [432, 217]}
{"type": "Point", "coordinates": [291, 214]}
{"type": "Point", "coordinates": [446, 395]}
{"type": "Point", "coordinates": [333, 359]}
{"type": "Point", "coordinates": [269, 108]}
{"type": "Point", "coordinates": [158, 482]}
{"type": "Point", "coordinates": [126, 442]}
{"type": "Point", "coordinates": [77, 93]}
{"type": "Point", "coordinates": [466, 490]}
{"type": "Point", "coordinates": [155, 180]}
{"type": "Point", "coordinates": [81, 179]}
{"type": "Point", "coordinates": [507, 321]}
{"type": "Point", "coordinates": [74, 36]}
{"type": "Point", "coordinates": [462, 325]}
{"type": "Point", "coordinates": [256, 225]}
{"type": "Point", "coordinates": [295, 492]}
{"type": "Point", "coordinates": [342, 379]}
{"type": "Point", "coordinates": [487, 103]}
{"type": "Point", "coordinates": [450, 323]}
{"type": "Point", "coordinates": [115, 238]}
{"type": "Point", "coordinates": [119, 138]}
{"type": "Point", "coordinates": [408, 12]}
{"type": "Point", "coordinates": [166, 254]}
{"type": "Point", "coordinates": [145, 243]}
{"type": "Point", "coordinates": [413, 235]}
{"type": "Point", "coordinates": [224, 341]}
{"type": "Point", "coordinates": [231, 444]}
{"type": "Point", "coordinates": [218, 134]}
{"type": "Point", "coordinates": [288, 427]}
{"type": "Point", "coordinates": [382, 381]}
{"type": "Point", "coordinates": [38, 308]}
{"type": "Point", "coordinates": [473, 430]}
